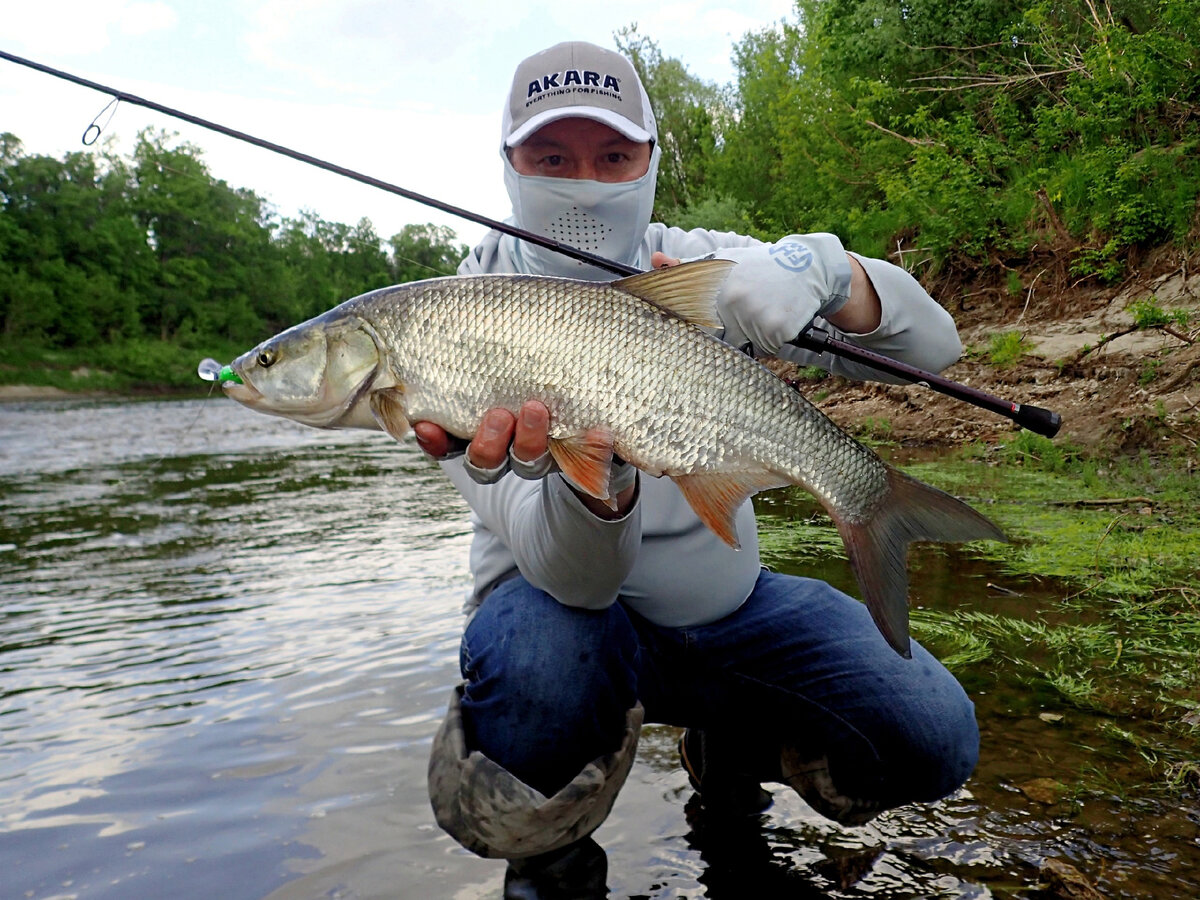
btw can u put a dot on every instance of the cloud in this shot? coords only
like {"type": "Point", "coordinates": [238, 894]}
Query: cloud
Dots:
{"type": "Point", "coordinates": [445, 155]}
{"type": "Point", "coordinates": [370, 48]}
{"type": "Point", "coordinates": [139, 19]}
{"type": "Point", "coordinates": [82, 27]}
{"type": "Point", "coordinates": [379, 50]}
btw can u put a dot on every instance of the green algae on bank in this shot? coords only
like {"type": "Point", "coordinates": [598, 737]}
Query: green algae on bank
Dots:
{"type": "Point", "coordinates": [1092, 609]}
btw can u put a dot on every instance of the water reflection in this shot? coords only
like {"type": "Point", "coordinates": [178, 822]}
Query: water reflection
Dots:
{"type": "Point", "coordinates": [190, 594]}
{"type": "Point", "coordinates": [227, 640]}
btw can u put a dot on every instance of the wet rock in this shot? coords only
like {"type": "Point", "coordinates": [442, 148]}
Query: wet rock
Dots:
{"type": "Point", "coordinates": [846, 867]}
{"type": "Point", "coordinates": [1043, 790]}
{"type": "Point", "coordinates": [1061, 879]}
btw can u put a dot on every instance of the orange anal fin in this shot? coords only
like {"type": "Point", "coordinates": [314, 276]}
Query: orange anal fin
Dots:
{"type": "Point", "coordinates": [586, 460]}
{"type": "Point", "coordinates": [387, 406]}
{"type": "Point", "coordinates": [715, 498]}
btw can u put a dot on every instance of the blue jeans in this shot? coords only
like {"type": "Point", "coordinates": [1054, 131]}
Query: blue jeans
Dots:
{"type": "Point", "coordinates": [799, 663]}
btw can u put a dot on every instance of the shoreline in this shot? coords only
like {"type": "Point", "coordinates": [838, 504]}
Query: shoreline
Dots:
{"type": "Point", "coordinates": [9, 392]}
{"type": "Point", "coordinates": [14, 393]}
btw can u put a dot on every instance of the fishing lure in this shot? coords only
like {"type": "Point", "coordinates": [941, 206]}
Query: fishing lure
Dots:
{"type": "Point", "coordinates": [211, 370]}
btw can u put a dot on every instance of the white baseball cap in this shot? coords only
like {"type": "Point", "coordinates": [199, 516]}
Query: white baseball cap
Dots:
{"type": "Point", "coordinates": [576, 78]}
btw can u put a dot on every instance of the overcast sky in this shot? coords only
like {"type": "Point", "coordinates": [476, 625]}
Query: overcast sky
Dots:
{"type": "Point", "coordinates": [407, 91]}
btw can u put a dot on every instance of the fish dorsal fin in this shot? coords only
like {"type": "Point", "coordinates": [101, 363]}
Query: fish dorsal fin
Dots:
{"type": "Point", "coordinates": [586, 460]}
{"type": "Point", "coordinates": [689, 290]}
{"type": "Point", "coordinates": [715, 498]}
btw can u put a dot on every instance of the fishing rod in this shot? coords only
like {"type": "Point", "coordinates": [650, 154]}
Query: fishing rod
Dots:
{"type": "Point", "coordinates": [1036, 419]}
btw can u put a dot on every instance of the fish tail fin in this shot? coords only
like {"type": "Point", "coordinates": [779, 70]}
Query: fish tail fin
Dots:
{"type": "Point", "coordinates": [911, 511]}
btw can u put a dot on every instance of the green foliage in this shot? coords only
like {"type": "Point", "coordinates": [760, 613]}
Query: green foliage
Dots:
{"type": "Point", "coordinates": [875, 430]}
{"type": "Point", "coordinates": [688, 111]}
{"type": "Point", "coordinates": [811, 373]}
{"type": "Point", "coordinates": [1103, 262]}
{"type": "Point", "coordinates": [1148, 313]}
{"type": "Point", "coordinates": [119, 264]}
{"type": "Point", "coordinates": [1014, 284]}
{"type": "Point", "coordinates": [964, 132]}
{"type": "Point", "coordinates": [716, 213]}
{"type": "Point", "coordinates": [1034, 451]}
{"type": "Point", "coordinates": [1149, 372]}
{"type": "Point", "coordinates": [425, 251]}
{"type": "Point", "coordinates": [1005, 348]}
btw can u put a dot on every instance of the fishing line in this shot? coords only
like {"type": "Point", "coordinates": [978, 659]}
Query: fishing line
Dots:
{"type": "Point", "coordinates": [112, 104]}
{"type": "Point", "coordinates": [187, 427]}
{"type": "Point", "coordinates": [1036, 419]}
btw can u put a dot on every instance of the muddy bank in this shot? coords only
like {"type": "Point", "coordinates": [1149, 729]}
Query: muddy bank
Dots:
{"type": "Point", "coordinates": [1118, 388]}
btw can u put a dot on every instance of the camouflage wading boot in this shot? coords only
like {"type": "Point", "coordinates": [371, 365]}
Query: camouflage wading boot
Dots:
{"type": "Point", "coordinates": [546, 840]}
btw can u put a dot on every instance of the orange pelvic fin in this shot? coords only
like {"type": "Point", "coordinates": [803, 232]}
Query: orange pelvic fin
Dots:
{"type": "Point", "coordinates": [586, 460]}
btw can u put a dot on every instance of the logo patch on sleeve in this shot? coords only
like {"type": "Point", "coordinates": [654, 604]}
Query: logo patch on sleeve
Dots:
{"type": "Point", "coordinates": [792, 255]}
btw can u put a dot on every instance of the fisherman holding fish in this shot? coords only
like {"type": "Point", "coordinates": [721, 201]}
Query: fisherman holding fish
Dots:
{"type": "Point", "coordinates": [617, 432]}
{"type": "Point", "coordinates": [592, 616]}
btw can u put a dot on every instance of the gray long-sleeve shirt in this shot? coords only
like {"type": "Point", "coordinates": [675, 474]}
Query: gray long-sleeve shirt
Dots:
{"type": "Point", "coordinates": [659, 558]}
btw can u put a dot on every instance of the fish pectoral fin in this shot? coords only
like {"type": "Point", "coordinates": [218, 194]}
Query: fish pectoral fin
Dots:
{"type": "Point", "coordinates": [586, 459]}
{"type": "Point", "coordinates": [689, 290]}
{"type": "Point", "coordinates": [387, 406]}
{"type": "Point", "coordinates": [716, 497]}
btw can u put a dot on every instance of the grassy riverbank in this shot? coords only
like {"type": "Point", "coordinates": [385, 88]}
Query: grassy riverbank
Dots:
{"type": "Point", "coordinates": [131, 367]}
{"type": "Point", "coordinates": [1118, 542]}
{"type": "Point", "coordinates": [1091, 616]}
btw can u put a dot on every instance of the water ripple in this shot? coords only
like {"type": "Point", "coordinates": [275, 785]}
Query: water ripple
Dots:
{"type": "Point", "coordinates": [226, 642]}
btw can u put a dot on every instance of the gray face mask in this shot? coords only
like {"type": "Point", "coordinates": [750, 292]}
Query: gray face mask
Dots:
{"type": "Point", "coordinates": [607, 219]}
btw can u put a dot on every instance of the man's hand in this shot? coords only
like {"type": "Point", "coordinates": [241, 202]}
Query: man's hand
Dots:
{"type": "Point", "coordinates": [861, 314]}
{"type": "Point", "coordinates": [528, 433]}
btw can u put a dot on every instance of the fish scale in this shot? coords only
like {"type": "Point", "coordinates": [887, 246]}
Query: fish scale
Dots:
{"type": "Point", "coordinates": [624, 368]}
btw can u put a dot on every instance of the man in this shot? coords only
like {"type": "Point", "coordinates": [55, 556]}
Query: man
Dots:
{"type": "Point", "coordinates": [590, 620]}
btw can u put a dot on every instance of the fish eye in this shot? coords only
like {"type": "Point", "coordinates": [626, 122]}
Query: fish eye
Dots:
{"type": "Point", "coordinates": [266, 358]}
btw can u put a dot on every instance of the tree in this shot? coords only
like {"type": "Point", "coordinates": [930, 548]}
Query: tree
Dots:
{"type": "Point", "coordinates": [690, 113]}
{"type": "Point", "coordinates": [210, 241]}
{"type": "Point", "coordinates": [66, 230]}
{"type": "Point", "coordinates": [425, 251]}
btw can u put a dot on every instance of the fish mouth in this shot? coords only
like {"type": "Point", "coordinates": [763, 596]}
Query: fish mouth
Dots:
{"type": "Point", "coordinates": [243, 392]}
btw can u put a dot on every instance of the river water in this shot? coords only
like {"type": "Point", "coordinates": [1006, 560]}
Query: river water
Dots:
{"type": "Point", "coordinates": [227, 640]}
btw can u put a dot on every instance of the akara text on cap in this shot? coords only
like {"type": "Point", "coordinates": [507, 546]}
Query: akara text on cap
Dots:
{"type": "Point", "coordinates": [577, 79]}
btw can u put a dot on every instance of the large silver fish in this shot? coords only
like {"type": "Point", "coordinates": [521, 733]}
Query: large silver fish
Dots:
{"type": "Point", "coordinates": [623, 367]}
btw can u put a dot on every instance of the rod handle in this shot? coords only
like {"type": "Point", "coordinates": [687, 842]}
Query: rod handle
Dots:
{"type": "Point", "coordinates": [1040, 421]}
